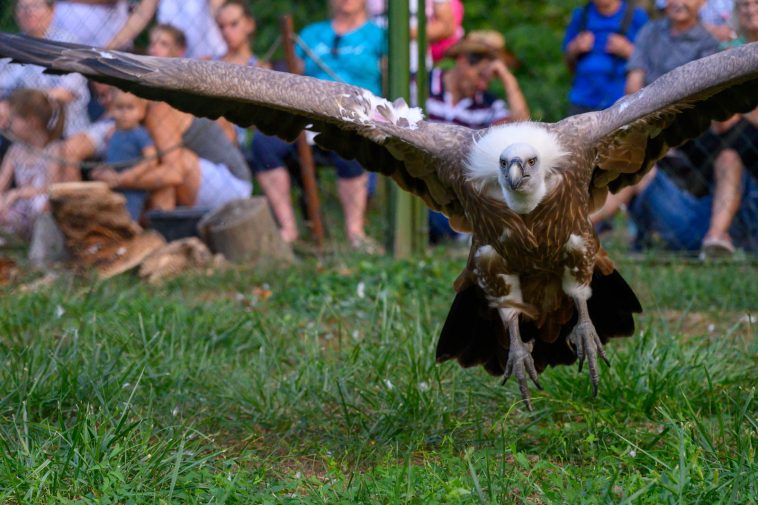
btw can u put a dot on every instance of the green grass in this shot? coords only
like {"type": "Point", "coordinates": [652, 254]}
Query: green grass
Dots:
{"type": "Point", "coordinates": [202, 391]}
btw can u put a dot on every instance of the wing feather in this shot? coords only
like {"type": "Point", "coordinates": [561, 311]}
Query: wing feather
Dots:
{"type": "Point", "coordinates": [637, 130]}
{"type": "Point", "coordinates": [423, 158]}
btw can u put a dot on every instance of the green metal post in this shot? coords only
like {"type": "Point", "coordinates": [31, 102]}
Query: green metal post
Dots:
{"type": "Point", "coordinates": [420, 211]}
{"type": "Point", "coordinates": [409, 233]}
{"type": "Point", "coordinates": [399, 85]}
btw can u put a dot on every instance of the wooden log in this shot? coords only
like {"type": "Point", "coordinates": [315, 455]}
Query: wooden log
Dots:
{"type": "Point", "coordinates": [98, 230]}
{"type": "Point", "coordinates": [244, 230]}
{"type": "Point", "coordinates": [177, 257]}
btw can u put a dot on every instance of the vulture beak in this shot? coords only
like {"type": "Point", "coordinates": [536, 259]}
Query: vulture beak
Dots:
{"type": "Point", "coordinates": [515, 173]}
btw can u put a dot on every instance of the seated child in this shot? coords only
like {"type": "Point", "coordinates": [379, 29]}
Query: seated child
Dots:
{"type": "Point", "coordinates": [130, 146]}
{"type": "Point", "coordinates": [32, 163]}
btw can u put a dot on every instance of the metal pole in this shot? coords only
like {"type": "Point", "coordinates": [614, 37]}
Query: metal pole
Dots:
{"type": "Point", "coordinates": [419, 210]}
{"type": "Point", "coordinates": [399, 86]}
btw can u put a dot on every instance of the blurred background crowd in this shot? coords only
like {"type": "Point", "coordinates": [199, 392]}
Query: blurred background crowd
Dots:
{"type": "Point", "coordinates": [701, 198]}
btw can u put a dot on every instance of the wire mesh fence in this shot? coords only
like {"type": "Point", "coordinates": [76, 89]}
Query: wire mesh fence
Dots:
{"type": "Point", "coordinates": [702, 195]}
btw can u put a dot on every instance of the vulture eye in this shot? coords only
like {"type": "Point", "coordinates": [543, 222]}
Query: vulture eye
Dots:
{"type": "Point", "coordinates": [532, 161]}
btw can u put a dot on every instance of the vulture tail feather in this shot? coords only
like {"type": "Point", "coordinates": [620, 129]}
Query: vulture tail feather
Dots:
{"type": "Point", "coordinates": [611, 306]}
{"type": "Point", "coordinates": [473, 333]}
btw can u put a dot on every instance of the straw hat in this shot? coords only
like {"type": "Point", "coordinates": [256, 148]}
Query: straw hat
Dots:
{"type": "Point", "coordinates": [488, 42]}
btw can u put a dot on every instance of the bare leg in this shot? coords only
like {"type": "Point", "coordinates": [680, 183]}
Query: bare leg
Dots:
{"type": "Point", "coordinates": [727, 172]}
{"type": "Point", "coordinates": [586, 342]}
{"type": "Point", "coordinates": [276, 186]}
{"type": "Point", "coordinates": [353, 193]}
{"type": "Point", "coordinates": [182, 174]}
{"type": "Point", "coordinates": [520, 362]}
{"type": "Point", "coordinates": [76, 149]}
{"type": "Point", "coordinates": [163, 199]}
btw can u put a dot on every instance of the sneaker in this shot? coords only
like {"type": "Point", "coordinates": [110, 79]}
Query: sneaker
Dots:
{"type": "Point", "coordinates": [716, 248]}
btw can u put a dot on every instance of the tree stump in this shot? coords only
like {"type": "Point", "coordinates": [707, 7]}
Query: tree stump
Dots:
{"type": "Point", "coordinates": [244, 230]}
{"type": "Point", "coordinates": [98, 230]}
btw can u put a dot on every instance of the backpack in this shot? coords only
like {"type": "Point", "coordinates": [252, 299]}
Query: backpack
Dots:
{"type": "Point", "coordinates": [626, 21]}
{"type": "Point", "coordinates": [623, 28]}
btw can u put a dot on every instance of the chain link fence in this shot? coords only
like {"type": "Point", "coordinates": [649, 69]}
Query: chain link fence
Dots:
{"type": "Point", "coordinates": [703, 193]}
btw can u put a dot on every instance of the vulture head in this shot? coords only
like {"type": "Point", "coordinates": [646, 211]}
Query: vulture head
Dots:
{"type": "Point", "coordinates": [517, 162]}
{"type": "Point", "coordinates": [520, 172]}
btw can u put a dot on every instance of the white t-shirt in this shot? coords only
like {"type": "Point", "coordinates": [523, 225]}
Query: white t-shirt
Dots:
{"type": "Point", "coordinates": [90, 24]}
{"type": "Point", "coordinates": [196, 20]}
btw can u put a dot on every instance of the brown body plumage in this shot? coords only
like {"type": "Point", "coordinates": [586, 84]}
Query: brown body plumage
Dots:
{"type": "Point", "coordinates": [537, 289]}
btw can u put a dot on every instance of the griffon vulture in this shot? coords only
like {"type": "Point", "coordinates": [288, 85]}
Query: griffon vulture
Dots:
{"type": "Point", "coordinates": [537, 289]}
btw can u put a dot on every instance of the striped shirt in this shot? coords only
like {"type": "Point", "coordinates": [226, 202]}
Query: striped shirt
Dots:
{"type": "Point", "coordinates": [479, 111]}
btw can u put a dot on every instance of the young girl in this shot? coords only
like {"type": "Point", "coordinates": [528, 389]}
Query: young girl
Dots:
{"type": "Point", "coordinates": [237, 25]}
{"type": "Point", "coordinates": [32, 162]}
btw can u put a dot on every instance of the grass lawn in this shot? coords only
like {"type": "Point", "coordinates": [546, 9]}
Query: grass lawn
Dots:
{"type": "Point", "coordinates": [317, 384]}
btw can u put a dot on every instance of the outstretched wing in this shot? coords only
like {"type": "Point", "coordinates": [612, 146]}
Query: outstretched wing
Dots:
{"type": "Point", "coordinates": [638, 129]}
{"type": "Point", "coordinates": [423, 158]}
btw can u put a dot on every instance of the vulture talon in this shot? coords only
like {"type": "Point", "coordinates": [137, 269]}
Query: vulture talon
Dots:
{"type": "Point", "coordinates": [521, 364]}
{"type": "Point", "coordinates": [586, 341]}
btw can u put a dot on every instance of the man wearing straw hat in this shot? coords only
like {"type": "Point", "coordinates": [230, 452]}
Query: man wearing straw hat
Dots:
{"type": "Point", "coordinates": [459, 95]}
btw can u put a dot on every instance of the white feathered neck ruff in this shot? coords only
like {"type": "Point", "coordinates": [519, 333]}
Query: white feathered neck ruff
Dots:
{"type": "Point", "coordinates": [483, 163]}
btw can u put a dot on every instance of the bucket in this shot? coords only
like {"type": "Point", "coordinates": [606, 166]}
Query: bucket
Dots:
{"type": "Point", "coordinates": [175, 224]}
{"type": "Point", "coordinates": [244, 230]}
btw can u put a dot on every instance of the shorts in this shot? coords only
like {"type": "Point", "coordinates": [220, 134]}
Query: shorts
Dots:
{"type": "Point", "coordinates": [218, 186]}
{"type": "Point", "coordinates": [270, 152]}
{"type": "Point", "coordinates": [135, 201]}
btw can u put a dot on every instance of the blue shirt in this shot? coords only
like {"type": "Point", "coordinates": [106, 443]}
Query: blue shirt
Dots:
{"type": "Point", "coordinates": [600, 77]}
{"type": "Point", "coordinates": [127, 145]}
{"type": "Point", "coordinates": [355, 57]}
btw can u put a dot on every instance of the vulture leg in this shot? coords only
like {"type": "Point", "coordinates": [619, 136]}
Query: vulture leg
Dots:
{"type": "Point", "coordinates": [520, 362]}
{"type": "Point", "coordinates": [586, 341]}
{"type": "Point", "coordinates": [503, 292]}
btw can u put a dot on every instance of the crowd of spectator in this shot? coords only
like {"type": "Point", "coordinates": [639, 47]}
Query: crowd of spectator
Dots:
{"type": "Point", "coordinates": [703, 196]}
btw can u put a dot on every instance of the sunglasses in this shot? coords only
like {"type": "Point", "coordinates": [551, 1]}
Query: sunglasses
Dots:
{"type": "Point", "coordinates": [476, 58]}
{"type": "Point", "coordinates": [336, 45]}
